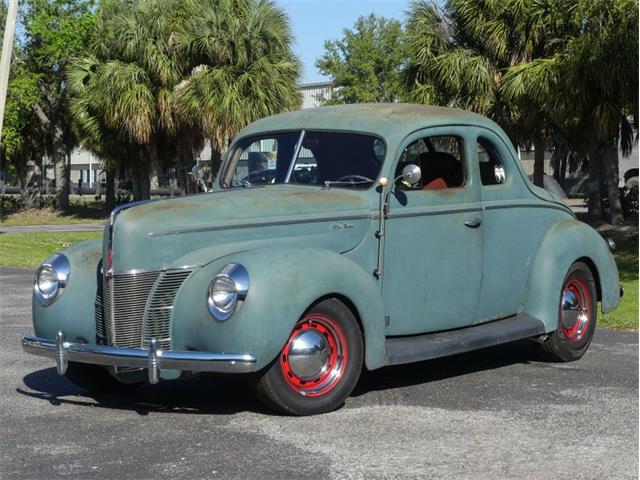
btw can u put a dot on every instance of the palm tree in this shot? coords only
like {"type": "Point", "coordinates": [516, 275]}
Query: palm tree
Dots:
{"type": "Point", "coordinates": [162, 75]}
{"type": "Point", "coordinates": [240, 63]}
{"type": "Point", "coordinates": [591, 82]}
{"type": "Point", "coordinates": [459, 56]}
{"type": "Point", "coordinates": [122, 91]}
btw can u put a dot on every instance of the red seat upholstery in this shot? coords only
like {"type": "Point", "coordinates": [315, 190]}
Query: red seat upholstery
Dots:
{"type": "Point", "coordinates": [436, 184]}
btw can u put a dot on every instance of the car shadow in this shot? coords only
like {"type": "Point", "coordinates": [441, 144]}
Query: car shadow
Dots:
{"type": "Point", "coordinates": [225, 395]}
{"type": "Point", "coordinates": [206, 394]}
{"type": "Point", "coordinates": [410, 374]}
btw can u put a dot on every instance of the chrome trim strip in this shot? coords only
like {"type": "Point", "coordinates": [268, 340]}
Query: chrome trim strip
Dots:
{"type": "Point", "coordinates": [138, 271]}
{"type": "Point", "coordinates": [263, 223]}
{"type": "Point", "coordinates": [152, 359]}
{"type": "Point", "coordinates": [431, 211]}
{"type": "Point", "coordinates": [428, 211]}
{"type": "Point", "coordinates": [554, 206]}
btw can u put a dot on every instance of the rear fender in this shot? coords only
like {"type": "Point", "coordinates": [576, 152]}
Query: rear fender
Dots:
{"type": "Point", "coordinates": [566, 242]}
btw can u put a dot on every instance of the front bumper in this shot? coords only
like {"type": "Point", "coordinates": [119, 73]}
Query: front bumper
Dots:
{"type": "Point", "coordinates": [153, 359]}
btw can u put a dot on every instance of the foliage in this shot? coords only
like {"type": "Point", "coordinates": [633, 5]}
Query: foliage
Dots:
{"type": "Point", "coordinates": [161, 76]}
{"type": "Point", "coordinates": [52, 32]}
{"type": "Point", "coordinates": [365, 64]}
{"type": "Point", "coordinates": [240, 66]}
{"type": "Point", "coordinates": [22, 133]}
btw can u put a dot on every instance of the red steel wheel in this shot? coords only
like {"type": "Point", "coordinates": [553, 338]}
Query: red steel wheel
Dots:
{"type": "Point", "coordinates": [575, 309]}
{"type": "Point", "coordinates": [319, 365]}
{"type": "Point", "coordinates": [315, 357]}
{"type": "Point", "coordinates": [576, 316]}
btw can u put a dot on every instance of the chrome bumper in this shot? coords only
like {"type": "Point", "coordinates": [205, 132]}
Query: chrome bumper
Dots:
{"type": "Point", "coordinates": [152, 359]}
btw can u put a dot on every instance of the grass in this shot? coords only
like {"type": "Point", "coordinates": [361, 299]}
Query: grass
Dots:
{"type": "Point", "coordinates": [81, 210]}
{"type": "Point", "coordinates": [625, 317]}
{"type": "Point", "coordinates": [28, 250]}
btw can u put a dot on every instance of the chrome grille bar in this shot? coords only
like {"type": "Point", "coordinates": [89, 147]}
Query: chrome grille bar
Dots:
{"type": "Point", "coordinates": [131, 309]}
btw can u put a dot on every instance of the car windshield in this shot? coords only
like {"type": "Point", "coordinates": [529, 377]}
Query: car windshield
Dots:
{"type": "Point", "coordinates": [327, 159]}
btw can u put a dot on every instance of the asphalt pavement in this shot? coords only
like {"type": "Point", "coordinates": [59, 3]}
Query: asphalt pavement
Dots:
{"type": "Point", "coordinates": [499, 413]}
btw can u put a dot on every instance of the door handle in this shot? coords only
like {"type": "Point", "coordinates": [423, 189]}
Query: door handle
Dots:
{"type": "Point", "coordinates": [473, 223]}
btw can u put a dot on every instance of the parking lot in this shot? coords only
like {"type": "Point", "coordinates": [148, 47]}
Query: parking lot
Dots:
{"type": "Point", "coordinates": [497, 413]}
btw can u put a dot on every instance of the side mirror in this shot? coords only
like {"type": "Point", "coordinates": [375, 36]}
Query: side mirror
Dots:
{"type": "Point", "coordinates": [411, 174]}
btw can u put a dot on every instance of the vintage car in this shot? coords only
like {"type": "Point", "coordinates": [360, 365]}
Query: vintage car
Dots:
{"type": "Point", "coordinates": [413, 234]}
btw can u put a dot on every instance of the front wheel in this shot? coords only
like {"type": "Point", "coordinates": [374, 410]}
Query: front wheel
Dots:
{"type": "Point", "coordinates": [319, 365]}
{"type": "Point", "coordinates": [576, 316]}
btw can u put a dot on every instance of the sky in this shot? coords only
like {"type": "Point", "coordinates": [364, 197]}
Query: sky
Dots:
{"type": "Point", "coordinates": [314, 21]}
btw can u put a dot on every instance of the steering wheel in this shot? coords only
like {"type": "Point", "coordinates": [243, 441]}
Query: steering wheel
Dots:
{"type": "Point", "coordinates": [345, 178]}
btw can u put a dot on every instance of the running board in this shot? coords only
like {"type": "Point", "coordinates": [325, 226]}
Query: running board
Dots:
{"type": "Point", "coordinates": [442, 344]}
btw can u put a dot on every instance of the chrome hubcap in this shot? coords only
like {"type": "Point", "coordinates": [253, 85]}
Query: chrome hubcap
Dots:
{"type": "Point", "coordinates": [575, 310]}
{"type": "Point", "coordinates": [315, 357]}
{"type": "Point", "coordinates": [309, 355]}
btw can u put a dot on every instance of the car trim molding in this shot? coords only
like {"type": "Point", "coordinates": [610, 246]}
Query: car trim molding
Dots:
{"type": "Point", "coordinates": [294, 220]}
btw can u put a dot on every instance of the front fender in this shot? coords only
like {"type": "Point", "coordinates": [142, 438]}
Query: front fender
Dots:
{"type": "Point", "coordinates": [74, 311]}
{"type": "Point", "coordinates": [566, 242]}
{"type": "Point", "coordinates": [283, 282]}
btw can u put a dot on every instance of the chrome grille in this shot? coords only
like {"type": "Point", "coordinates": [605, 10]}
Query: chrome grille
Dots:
{"type": "Point", "coordinates": [133, 308]}
{"type": "Point", "coordinates": [158, 313]}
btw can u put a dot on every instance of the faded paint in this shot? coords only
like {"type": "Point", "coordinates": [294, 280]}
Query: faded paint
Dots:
{"type": "Point", "coordinates": [286, 237]}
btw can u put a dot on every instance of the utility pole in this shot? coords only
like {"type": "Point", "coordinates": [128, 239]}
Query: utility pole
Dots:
{"type": "Point", "coordinates": [5, 66]}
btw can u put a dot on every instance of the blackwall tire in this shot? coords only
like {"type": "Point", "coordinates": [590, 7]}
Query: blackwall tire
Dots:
{"type": "Point", "coordinates": [319, 365]}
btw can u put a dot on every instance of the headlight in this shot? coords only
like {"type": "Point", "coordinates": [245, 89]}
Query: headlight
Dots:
{"type": "Point", "coordinates": [227, 291]}
{"type": "Point", "coordinates": [51, 279]}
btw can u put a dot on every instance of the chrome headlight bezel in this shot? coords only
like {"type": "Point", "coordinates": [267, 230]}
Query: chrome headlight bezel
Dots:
{"type": "Point", "coordinates": [59, 268]}
{"type": "Point", "coordinates": [232, 280]}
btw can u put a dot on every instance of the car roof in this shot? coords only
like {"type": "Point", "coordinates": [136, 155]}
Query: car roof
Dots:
{"type": "Point", "coordinates": [382, 119]}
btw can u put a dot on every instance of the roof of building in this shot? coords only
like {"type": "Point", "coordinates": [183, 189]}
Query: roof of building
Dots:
{"type": "Point", "coordinates": [377, 118]}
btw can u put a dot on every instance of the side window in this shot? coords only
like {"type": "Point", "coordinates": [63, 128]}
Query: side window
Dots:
{"type": "Point", "coordinates": [491, 167]}
{"type": "Point", "coordinates": [440, 159]}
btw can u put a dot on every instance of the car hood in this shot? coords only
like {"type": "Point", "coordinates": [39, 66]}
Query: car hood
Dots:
{"type": "Point", "coordinates": [155, 235]}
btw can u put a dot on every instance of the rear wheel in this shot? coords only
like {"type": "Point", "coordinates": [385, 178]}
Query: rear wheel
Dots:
{"type": "Point", "coordinates": [576, 316]}
{"type": "Point", "coordinates": [96, 379]}
{"type": "Point", "coordinates": [319, 365]}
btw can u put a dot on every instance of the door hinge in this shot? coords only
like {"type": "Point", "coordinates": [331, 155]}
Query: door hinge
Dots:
{"type": "Point", "coordinates": [387, 320]}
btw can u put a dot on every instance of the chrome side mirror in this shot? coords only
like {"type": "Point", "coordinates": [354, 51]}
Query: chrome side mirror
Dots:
{"type": "Point", "coordinates": [411, 174]}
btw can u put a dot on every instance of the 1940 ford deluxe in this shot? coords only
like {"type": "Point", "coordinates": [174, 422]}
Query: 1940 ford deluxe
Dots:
{"type": "Point", "coordinates": [333, 237]}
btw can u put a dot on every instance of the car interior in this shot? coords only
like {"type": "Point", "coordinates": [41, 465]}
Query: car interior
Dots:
{"type": "Point", "coordinates": [440, 161]}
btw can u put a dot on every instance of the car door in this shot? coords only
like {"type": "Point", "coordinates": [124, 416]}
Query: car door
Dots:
{"type": "Point", "coordinates": [432, 267]}
{"type": "Point", "coordinates": [514, 223]}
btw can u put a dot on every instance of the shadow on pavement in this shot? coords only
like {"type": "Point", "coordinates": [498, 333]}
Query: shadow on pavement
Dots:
{"type": "Point", "coordinates": [448, 367]}
{"type": "Point", "coordinates": [197, 395]}
{"type": "Point", "coordinates": [224, 395]}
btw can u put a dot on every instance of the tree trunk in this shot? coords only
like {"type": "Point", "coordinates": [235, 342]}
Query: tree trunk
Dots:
{"type": "Point", "coordinates": [140, 178]}
{"type": "Point", "coordinates": [538, 162]}
{"type": "Point", "coordinates": [154, 168]}
{"type": "Point", "coordinates": [216, 162]}
{"type": "Point", "coordinates": [610, 171]}
{"type": "Point", "coordinates": [563, 170]}
{"type": "Point", "coordinates": [62, 184]}
{"type": "Point", "coordinates": [593, 183]}
{"type": "Point", "coordinates": [110, 200]}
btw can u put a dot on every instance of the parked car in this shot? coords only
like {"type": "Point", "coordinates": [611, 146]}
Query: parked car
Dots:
{"type": "Point", "coordinates": [418, 236]}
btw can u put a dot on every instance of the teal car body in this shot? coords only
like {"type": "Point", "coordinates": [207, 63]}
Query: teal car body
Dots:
{"type": "Point", "coordinates": [407, 262]}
